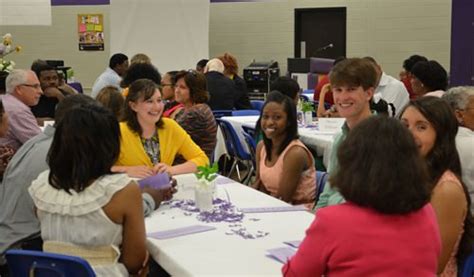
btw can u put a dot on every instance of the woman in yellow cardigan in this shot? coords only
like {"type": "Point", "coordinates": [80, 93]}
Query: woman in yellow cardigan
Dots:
{"type": "Point", "coordinates": [149, 143]}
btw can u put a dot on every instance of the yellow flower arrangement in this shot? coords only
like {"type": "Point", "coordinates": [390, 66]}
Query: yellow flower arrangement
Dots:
{"type": "Point", "coordinates": [7, 48]}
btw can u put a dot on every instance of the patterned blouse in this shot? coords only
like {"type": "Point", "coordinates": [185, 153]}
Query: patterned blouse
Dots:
{"type": "Point", "coordinates": [152, 148]}
{"type": "Point", "coordinates": [199, 122]}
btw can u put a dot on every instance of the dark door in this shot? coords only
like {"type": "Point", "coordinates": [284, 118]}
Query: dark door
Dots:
{"type": "Point", "coordinates": [323, 31]}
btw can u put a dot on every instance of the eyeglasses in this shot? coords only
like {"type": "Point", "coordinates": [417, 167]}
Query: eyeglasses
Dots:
{"type": "Point", "coordinates": [35, 86]}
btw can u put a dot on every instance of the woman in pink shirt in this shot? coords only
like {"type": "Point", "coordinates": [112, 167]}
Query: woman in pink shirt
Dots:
{"type": "Point", "coordinates": [387, 226]}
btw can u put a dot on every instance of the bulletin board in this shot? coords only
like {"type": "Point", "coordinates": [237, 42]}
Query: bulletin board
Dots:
{"type": "Point", "coordinates": [90, 32]}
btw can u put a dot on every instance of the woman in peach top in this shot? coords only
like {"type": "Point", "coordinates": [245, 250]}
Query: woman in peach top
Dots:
{"type": "Point", "coordinates": [285, 167]}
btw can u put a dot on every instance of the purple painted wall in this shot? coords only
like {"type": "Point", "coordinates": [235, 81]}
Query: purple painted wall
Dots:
{"type": "Point", "coordinates": [462, 43]}
{"type": "Point", "coordinates": [79, 2]}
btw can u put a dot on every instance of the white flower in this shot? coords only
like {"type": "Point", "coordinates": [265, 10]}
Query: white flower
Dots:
{"type": "Point", "coordinates": [6, 66]}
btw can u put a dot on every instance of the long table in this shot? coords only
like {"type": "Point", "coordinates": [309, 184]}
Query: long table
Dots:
{"type": "Point", "coordinates": [218, 252]}
{"type": "Point", "coordinates": [320, 141]}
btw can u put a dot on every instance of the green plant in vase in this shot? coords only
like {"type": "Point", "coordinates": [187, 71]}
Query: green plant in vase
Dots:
{"type": "Point", "coordinates": [207, 173]}
{"type": "Point", "coordinates": [307, 108]}
{"type": "Point", "coordinates": [205, 187]}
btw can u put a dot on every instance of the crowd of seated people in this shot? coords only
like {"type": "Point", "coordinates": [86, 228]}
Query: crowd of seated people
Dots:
{"type": "Point", "coordinates": [141, 123]}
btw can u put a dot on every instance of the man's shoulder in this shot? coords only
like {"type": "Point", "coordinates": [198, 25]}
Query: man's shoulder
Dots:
{"type": "Point", "coordinates": [11, 103]}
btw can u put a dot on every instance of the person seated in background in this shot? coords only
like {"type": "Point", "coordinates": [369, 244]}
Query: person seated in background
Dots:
{"type": "Point", "coordinates": [149, 143]}
{"type": "Point", "coordinates": [52, 94]}
{"type": "Point", "coordinates": [111, 98]}
{"type": "Point", "coordinates": [23, 92]}
{"type": "Point", "coordinates": [6, 152]}
{"type": "Point", "coordinates": [201, 64]}
{"type": "Point", "coordinates": [231, 71]}
{"type": "Point", "coordinates": [387, 227]}
{"type": "Point", "coordinates": [168, 86]}
{"type": "Point", "coordinates": [118, 65]}
{"type": "Point", "coordinates": [140, 71]}
{"type": "Point", "coordinates": [62, 84]}
{"type": "Point", "coordinates": [428, 79]}
{"type": "Point", "coordinates": [389, 89]}
{"type": "Point", "coordinates": [461, 100]}
{"type": "Point", "coordinates": [196, 118]}
{"type": "Point", "coordinates": [20, 227]}
{"type": "Point", "coordinates": [321, 110]}
{"type": "Point", "coordinates": [322, 82]}
{"type": "Point", "coordinates": [434, 126]}
{"type": "Point", "coordinates": [288, 87]}
{"type": "Point", "coordinates": [223, 94]}
{"type": "Point", "coordinates": [285, 167]}
{"type": "Point", "coordinates": [140, 58]}
{"type": "Point", "coordinates": [83, 209]}
{"type": "Point", "coordinates": [405, 75]}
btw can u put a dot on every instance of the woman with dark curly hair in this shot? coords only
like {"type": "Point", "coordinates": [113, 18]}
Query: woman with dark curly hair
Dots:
{"type": "Point", "coordinates": [405, 74]}
{"type": "Point", "coordinates": [434, 127]}
{"type": "Point", "coordinates": [429, 78]}
{"type": "Point", "coordinates": [377, 231]}
{"type": "Point", "coordinates": [196, 117]}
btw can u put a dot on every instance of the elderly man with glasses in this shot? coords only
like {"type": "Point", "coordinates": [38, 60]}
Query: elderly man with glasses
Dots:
{"type": "Point", "coordinates": [23, 91]}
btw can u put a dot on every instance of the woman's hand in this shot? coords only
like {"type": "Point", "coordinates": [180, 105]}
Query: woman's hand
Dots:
{"type": "Point", "coordinates": [161, 168]}
{"type": "Point", "coordinates": [160, 195]}
{"type": "Point", "coordinates": [138, 171]}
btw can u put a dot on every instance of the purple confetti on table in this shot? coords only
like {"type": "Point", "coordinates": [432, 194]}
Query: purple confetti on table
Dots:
{"type": "Point", "coordinates": [223, 211]}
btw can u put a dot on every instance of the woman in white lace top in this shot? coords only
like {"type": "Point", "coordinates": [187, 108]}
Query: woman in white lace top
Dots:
{"type": "Point", "coordinates": [83, 208]}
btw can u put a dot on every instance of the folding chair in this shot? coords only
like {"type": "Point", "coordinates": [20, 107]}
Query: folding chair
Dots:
{"type": "Point", "coordinates": [467, 268]}
{"type": "Point", "coordinates": [321, 179]}
{"type": "Point", "coordinates": [234, 148]}
{"type": "Point", "coordinates": [250, 141]}
{"type": "Point", "coordinates": [27, 263]}
{"type": "Point", "coordinates": [245, 112]}
{"type": "Point", "coordinates": [257, 104]}
{"type": "Point", "coordinates": [221, 113]}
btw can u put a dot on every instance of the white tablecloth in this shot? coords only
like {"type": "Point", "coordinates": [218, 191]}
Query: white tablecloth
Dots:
{"type": "Point", "coordinates": [215, 252]}
{"type": "Point", "coordinates": [311, 137]}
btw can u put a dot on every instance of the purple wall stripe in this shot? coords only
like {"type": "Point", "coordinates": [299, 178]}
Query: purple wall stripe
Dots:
{"type": "Point", "coordinates": [225, 1]}
{"type": "Point", "coordinates": [79, 2]}
{"type": "Point", "coordinates": [462, 43]}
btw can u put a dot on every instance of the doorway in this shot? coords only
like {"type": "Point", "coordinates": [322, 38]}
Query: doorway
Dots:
{"type": "Point", "coordinates": [322, 31]}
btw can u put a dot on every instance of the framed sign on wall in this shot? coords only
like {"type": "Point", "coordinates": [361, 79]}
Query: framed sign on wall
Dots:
{"type": "Point", "coordinates": [90, 32]}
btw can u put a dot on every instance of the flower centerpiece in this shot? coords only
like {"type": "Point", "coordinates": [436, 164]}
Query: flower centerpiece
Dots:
{"type": "Point", "coordinates": [6, 66]}
{"type": "Point", "coordinates": [308, 109]}
{"type": "Point", "coordinates": [205, 186]}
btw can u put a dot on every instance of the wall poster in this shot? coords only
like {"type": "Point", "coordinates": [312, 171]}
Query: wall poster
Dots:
{"type": "Point", "coordinates": [91, 32]}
